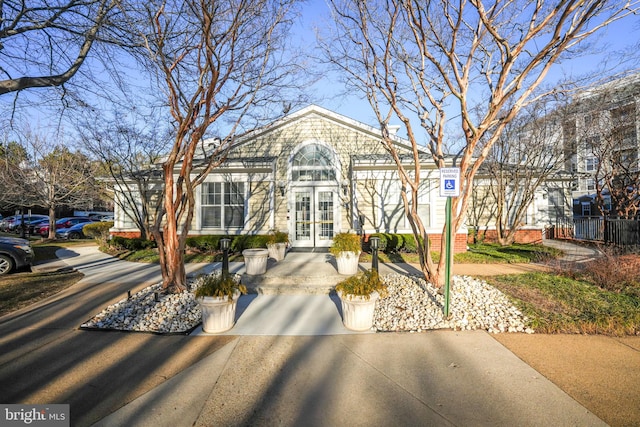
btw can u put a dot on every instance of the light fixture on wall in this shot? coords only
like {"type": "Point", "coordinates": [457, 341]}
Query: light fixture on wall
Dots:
{"type": "Point", "coordinates": [281, 186]}
{"type": "Point", "coordinates": [345, 186]}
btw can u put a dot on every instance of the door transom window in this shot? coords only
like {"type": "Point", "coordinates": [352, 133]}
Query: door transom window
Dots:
{"type": "Point", "coordinates": [313, 162]}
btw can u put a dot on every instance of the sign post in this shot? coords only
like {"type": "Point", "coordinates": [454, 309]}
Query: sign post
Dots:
{"type": "Point", "coordinates": [449, 187]}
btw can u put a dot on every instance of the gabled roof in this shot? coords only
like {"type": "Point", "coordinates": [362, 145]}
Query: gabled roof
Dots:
{"type": "Point", "coordinates": [328, 115]}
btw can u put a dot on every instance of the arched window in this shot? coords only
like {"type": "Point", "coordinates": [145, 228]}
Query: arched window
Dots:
{"type": "Point", "coordinates": [313, 162]}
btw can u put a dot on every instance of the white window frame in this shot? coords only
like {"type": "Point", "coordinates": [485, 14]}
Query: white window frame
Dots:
{"type": "Point", "coordinates": [591, 164]}
{"type": "Point", "coordinates": [224, 203]}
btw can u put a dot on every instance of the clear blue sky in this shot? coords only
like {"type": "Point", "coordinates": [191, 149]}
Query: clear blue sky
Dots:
{"type": "Point", "coordinates": [327, 92]}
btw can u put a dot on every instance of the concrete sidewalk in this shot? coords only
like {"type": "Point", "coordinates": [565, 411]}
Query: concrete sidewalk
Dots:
{"type": "Point", "coordinates": [441, 378]}
{"type": "Point", "coordinates": [291, 362]}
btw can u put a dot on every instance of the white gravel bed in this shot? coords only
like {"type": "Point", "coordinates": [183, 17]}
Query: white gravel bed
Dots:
{"type": "Point", "coordinates": [415, 305]}
{"type": "Point", "coordinates": [411, 306]}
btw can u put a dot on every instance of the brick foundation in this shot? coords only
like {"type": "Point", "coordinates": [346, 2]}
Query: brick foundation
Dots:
{"type": "Point", "coordinates": [522, 236]}
{"type": "Point", "coordinates": [460, 243]}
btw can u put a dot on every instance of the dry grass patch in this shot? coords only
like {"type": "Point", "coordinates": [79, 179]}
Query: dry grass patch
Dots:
{"type": "Point", "coordinates": [557, 304]}
{"type": "Point", "coordinates": [23, 289]}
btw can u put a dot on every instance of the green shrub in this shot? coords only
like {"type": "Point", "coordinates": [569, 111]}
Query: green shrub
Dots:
{"type": "Point", "coordinates": [131, 244]}
{"type": "Point", "coordinates": [240, 243]}
{"type": "Point", "coordinates": [394, 243]}
{"type": "Point", "coordinates": [209, 243]}
{"type": "Point", "coordinates": [98, 230]}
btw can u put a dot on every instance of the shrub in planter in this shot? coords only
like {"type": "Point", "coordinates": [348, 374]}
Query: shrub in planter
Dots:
{"type": "Point", "coordinates": [346, 247]}
{"type": "Point", "coordinates": [358, 295]}
{"type": "Point", "coordinates": [218, 285]}
{"type": "Point", "coordinates": [363, 284]}
{"type": "Point", "coordinates": [345, 242]}
{"type": "Point", "coordinates": [277, 237]}
{"type": "Point", "coordinates": [277, 242]}
{"type": "Point", "coordinates": [217, 294]}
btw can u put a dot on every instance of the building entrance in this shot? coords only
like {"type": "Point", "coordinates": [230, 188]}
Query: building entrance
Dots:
{"type": "Point", "coordinates": [315, 213]}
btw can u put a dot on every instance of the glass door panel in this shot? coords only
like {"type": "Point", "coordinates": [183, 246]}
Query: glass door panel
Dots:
{"type": "Point", "coordinates": [324, 220]}
{"type": "Point", "coordinates": [314, 217]}
{"type": "Point", "coordinates": [303, 216]}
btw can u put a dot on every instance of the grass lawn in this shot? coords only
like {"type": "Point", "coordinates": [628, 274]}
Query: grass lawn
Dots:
{"type": "Point", "coordinates": [23, 288]}
{"type": "Point", "coordinates": [482, 253]}
{"type": "Point", "coordinates": [556, 303]}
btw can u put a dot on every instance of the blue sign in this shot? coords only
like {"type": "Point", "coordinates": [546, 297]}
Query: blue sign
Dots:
{"type": "Point", "coordinates": [450, 182]}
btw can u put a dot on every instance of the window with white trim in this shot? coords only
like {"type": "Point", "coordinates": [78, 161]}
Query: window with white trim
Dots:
{"type": "Point", "coordinates": [591, 164]}
{"type": "Point", "coordinates": [222, 205]}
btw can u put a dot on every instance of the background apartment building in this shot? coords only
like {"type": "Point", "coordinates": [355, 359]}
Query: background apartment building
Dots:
{"type": "Point", "coordinates": [600, 146]}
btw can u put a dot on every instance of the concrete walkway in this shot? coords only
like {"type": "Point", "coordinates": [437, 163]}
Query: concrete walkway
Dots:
{"type": "Point", "coordinates": [288, 362]}
{"type": "Point", "coordinates": [441, 378]}
{"type": "Point", "coordinates": [574, 253]}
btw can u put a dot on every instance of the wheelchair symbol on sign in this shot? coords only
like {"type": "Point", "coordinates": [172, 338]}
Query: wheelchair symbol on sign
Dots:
{"type": "Point", "coordinates": [450, 184]}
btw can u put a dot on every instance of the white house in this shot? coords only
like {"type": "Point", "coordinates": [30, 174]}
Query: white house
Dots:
{"type": "Point", "coordinates": [312, 173]}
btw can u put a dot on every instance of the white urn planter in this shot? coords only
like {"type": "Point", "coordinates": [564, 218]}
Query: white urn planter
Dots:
{"type": "Point", "coordinates": [218, 313]}
{"type": "Point", "coordinates": [357, 311]}
{"type": "Point", "coordinates": [255, 261]}
{"type": "Point", "coordinates": [348, 262]}
{"type": "Point", "coordinates": [277, 251]}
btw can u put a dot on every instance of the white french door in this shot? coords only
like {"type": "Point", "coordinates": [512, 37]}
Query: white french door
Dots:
{"type": "Point", "coordinates": [315, 214]}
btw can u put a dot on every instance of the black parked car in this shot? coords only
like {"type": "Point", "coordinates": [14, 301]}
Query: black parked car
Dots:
{"type": "Point", "coordinates": [15, 253]}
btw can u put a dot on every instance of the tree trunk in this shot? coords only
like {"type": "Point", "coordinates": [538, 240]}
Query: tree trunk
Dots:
{"type": "Point", "coordinates": [170, 249]}
{"type": "Point", "coordinates": [52, 223]}
{"type": "Point", "coordinates": [175, 279]}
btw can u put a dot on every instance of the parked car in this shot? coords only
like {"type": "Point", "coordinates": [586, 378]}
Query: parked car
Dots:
{"type": "Point", "coordinates": [37, 223]}
{"type": "Point", "coordinates": [43, 229]}
{"type": "Point", "coordinates": [15, 253]}
{"type": "Point", "coordinates": [102, 218]}
{"type": "Point", "coordinates": [4, 224]}
{"type": "Point", "coordinates": [73, 232]}
{"type": "Point", "coordinates": [17, 223]}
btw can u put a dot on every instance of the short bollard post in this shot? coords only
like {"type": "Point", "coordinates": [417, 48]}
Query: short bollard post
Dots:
{"type": "Point", "coordinates": [224, 245]}
{"type": "Point", "coordinates": [375, 244]}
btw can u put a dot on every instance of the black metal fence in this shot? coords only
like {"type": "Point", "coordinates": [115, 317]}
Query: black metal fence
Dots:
{"type": "Point", "coordinates": [614, 231]}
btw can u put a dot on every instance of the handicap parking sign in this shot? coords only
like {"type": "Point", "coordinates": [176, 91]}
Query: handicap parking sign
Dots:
{"type": "Point", "coordinates": [450, 182]}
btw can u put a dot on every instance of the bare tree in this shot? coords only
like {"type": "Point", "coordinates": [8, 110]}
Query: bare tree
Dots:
{"type": "Point", "coordinates": [52, 176]}
{"type": "Point", "coordinates": [217, 61]}
{"type": "Point", "coordinates": [129, 146]}
{"type": "Point", "coordinates": [44, 44]}
{"type": "Point", "coordinates": [525, 156]}
{"type": "Point", "coordinates": [13, 158]}
{"type": "Point", "coordinates": [480, 63]}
